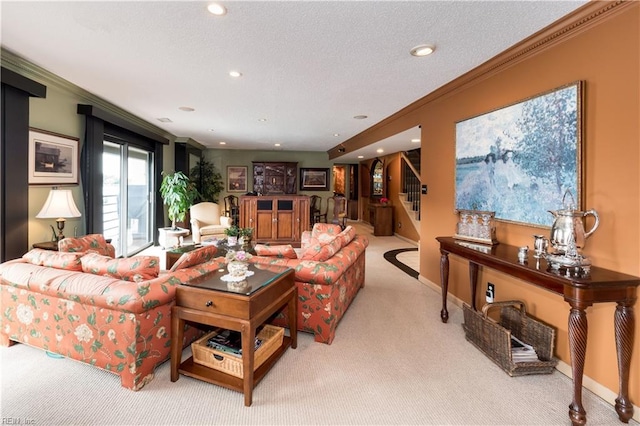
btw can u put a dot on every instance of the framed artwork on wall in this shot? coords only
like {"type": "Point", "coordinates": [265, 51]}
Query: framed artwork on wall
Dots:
{"type": "Point", "coordinates": [520, 160]}
{"type": "Point", "coordinates": [53, 158]}
{"type": "Point", "coordinates": [314, 179]}
{"type": "Point", "coordinates": [237, 178]}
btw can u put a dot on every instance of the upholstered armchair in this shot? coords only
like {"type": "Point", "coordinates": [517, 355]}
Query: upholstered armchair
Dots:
{"type": "Point", "coordinates": [207, 220]}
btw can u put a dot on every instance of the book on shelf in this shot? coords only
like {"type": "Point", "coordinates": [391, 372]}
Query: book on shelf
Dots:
{"type": "Point", "coordinates": [521, 351]}
{"type": "Point", "coordinates": [230, 341]}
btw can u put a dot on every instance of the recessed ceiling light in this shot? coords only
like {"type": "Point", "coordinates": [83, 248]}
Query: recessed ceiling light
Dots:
{"type": "Point", "coordinates": [217, 9]}
{"type": "Point", "coordinates": [423, 50]}
{"type": "Point", "coordinates": [186, 109]}
{"type": "Point", "coordinates": [222, 143]}
{"type": "Point", "coordinates": [276, 144]}
{"type": "Point", "coordinates": [379, 150]}
{"type": "Point", "coordinates": [359, 117]}
{"type": "Point", "coordinates": [360, 156]}
{"type": "Point", "coordinates": [211, 130]}
{"type": "Point", "coordinates": [235, 74]}
{"type": "Point", "coordinates": [262, 119]}
{"type": "Point", "coordinates": [336, 134]}
{"type": "Point", "coordinates": [415, 140]}
{"type": "Point", "coordinates": [165, 120]}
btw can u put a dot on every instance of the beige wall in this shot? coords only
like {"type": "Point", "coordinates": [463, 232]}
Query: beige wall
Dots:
{"type": "Point", "coordinates": [604, 52]}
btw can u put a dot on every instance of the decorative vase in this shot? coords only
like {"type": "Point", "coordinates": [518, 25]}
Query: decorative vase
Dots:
{"type": "Point", "coordinates": [237, 268]}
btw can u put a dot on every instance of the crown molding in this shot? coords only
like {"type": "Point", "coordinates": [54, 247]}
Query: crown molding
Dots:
{"type": "Point", "coordinates": [27, 69]}
{"type": "Point", "coordinates": [583, 18]}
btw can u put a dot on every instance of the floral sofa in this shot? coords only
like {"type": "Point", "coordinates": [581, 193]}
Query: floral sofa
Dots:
{"type": "Point", "coordinates": [114, 314]}
{"type": "Point", "coordinates": [329, 272]}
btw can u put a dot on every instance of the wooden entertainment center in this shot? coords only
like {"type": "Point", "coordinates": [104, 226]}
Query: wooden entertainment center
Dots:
{"type": "Point", "coordinates": [275, 219]}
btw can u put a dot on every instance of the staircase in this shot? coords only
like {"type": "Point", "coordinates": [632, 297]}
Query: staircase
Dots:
{"type": "Point", "coordinates": [410, 195]}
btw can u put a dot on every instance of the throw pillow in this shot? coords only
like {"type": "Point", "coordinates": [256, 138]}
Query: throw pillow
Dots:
{"type": "Point", "coordinates": [321, 251]}
{"type": "Point", "coordinates": [91, 242]}
{"type": "Point", "coordinates": [54, 259]}
{"type": "Point", "coordinates": [282, 251]}
{"type": "Point", "coordinates": [195, 257]}
{"type": "Point", "coordinates": [137, 268]}
{"type": "Point", "coordinates": [347, 235]}
{"type": "Point", "coordinates": [325, 228]}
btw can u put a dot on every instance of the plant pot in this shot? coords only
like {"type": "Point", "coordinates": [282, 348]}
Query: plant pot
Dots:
{"type": "Point", "coordinates": [232, 241]}
{"type": "Point", "coordinates": [169, 238]}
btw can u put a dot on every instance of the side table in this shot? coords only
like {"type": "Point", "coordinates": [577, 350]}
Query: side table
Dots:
{"type": "Point", "coordinates": [211, 302]}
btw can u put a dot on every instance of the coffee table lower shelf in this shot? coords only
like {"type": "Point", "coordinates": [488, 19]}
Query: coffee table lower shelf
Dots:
{"type": "Point", "coordinates": [220, 378]}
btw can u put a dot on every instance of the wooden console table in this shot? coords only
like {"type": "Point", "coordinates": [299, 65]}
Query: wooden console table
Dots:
{"type": "Point", "coordinates": [580, 292]}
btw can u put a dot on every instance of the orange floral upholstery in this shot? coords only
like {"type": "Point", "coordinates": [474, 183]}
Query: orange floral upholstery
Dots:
{"type": "Point", "coordinates": [195, 257]}
{"type": "Point", "coordinates": [54, 259]}
{"type": "Point", "coordinates": [92, 242]}
{"type": "Point", "coordinates": [120, 326]}
{"type": "Point", "coordinates": [137, 268]}
{"type": "Point", "coordinates": [282, 251]}
{"type": "Point", "coordinates": [325, 288]}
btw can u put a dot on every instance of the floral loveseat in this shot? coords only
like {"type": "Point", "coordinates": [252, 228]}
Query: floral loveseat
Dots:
{"type": "Point", "coordinates": [329, 271]}
{"type": "Point", "coordinates": [111, 313]}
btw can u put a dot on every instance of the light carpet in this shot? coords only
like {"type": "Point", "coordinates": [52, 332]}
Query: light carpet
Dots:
{"type": "Point", "coordinates": [393, 362]}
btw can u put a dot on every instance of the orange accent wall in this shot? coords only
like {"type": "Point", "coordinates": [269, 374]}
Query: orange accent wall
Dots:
{"type": "Point", "coordinates": [604, 52]}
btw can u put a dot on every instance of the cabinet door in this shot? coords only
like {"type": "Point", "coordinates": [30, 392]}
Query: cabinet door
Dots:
{"type": "Point", "coordinates": [247, 212]}
{"type": "Point", "coordinates": [285, 220]}
{"type": "Point", "coordinates": [258, 178]}
{"type": "Point", "coordinates": [274, 176]}
{"type": "Point", "coordinates": [291, 178]}
{"type": "Point", "coordinates": [265, 219]}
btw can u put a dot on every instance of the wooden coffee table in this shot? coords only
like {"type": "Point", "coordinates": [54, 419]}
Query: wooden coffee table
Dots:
{"type": "Point", "coordinates": [209, 301]}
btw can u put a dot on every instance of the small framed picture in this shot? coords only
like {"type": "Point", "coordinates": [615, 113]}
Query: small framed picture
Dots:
{"type": "Point", "coordinates": [236, 178]}
{"type": "Point", "coordinates": [53, 158]}
{"type": "Point", "coordinates": [313, 179]}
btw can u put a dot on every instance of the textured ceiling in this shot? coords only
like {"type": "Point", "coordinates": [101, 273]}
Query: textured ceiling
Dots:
{"type": "Point", "coordinates": [308, 67]}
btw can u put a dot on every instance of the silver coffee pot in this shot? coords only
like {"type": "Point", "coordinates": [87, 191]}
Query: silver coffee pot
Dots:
{"type": "Point", "coordinates": [567, 231]}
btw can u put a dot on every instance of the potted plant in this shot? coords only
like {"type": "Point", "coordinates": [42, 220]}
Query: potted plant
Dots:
{"type": "Point", "coordinates": [245, 235]}
{"type": "Point", "coordinates": [207, 180]}
{"type": "Point", "coordinates": [178, 194]}
{"type": "Point", "coordinates": [232, 234]}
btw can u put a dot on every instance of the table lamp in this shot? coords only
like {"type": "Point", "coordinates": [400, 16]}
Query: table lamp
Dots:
{"type": "Point", "coordinates": [59, 205]}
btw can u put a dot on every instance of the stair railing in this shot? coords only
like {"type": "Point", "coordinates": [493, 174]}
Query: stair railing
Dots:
{"type": "Point", "coordinates": [411, 183]}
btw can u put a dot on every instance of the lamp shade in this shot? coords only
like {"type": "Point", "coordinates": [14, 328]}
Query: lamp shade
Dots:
{"type": "Point", "coordinates": [59, 204]}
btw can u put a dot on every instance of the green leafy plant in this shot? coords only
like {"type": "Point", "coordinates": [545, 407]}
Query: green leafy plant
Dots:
{"type": "Point", "coordinates": [246, 232]}
{"type": "Point", "coordinates": [208, 181]}
{"type": "Point", "coordinates": [178, 194]}
{"type": "Point", "coordinates": [232, 231]}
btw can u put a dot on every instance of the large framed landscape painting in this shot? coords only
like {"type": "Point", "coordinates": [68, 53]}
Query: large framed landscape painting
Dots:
{"type": "Point", "coordinates": [520, 160]}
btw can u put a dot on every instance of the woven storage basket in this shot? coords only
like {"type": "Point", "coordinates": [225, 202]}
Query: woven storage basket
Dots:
{"type": "Point", "coordinates": [494, 338]}
{"type": "Point", "coordinates": [271, 335]}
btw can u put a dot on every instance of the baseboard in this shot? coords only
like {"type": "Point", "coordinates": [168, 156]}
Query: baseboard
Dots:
{"type": "Point", "coordinates": [587, 382]}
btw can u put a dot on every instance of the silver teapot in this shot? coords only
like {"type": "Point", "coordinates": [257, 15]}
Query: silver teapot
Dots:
{"type": "Point", "coordinates": [567, 231]}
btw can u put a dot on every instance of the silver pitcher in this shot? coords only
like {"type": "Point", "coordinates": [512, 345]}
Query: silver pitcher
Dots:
{"type": "Point", "coordinates": [568, 228]}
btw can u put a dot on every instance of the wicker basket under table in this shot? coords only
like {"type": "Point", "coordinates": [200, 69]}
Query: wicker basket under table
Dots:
{"type": "Point", "coordinates": [271, 335]}
{"type": "Point", "coordinates": [494, 338]}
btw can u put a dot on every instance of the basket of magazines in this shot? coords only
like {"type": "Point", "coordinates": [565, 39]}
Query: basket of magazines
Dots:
{"type": "Point", "coordinates": [519, 344]}
{"type": "Point", "coordinates": [222, 349]}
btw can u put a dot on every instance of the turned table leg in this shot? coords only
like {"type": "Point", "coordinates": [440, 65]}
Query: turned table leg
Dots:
{"type": "Point", "coordinates": [473, 282]}
{"type": "Point", "coordinates": [577, 348]}
{"type": "Point", "coordinates": [444, 281]}
{"type": "Point", "coordinates": [624, 326]}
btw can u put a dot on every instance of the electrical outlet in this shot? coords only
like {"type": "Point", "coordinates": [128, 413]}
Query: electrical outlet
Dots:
{"type": "Point", "coordinates": [491, 292]}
